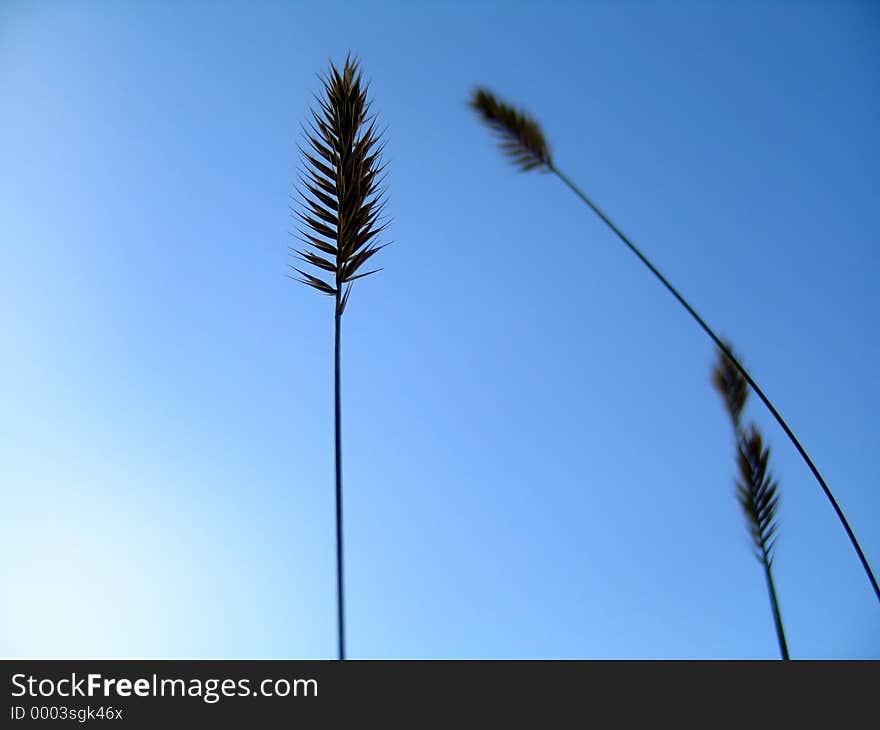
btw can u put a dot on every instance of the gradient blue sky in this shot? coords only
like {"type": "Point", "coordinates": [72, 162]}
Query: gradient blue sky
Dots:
{"type": "Point", "coordinates": [536, 464]}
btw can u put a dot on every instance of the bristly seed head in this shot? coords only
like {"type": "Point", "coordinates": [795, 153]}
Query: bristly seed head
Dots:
{"type": "Point", "coordinates": [732, 386]}
{"type": "Point", "coordinates": [520, 136]}
{"type": "Point", "coordinates": [343, 198]}
{"type": "Point", "coordinates": [757, 493]}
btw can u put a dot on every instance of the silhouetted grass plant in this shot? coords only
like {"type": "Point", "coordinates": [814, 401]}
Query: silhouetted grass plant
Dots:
{"type": "Point", "coordinates": [756, 490]}
{"type": "Point", "coordinates": [523, 142]}
{"type": "Point", "coordinates": [342, 203]}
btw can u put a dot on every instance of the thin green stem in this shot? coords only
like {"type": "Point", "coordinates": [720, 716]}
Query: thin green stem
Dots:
{"type": "Point", "coordinates": [340, 589]}
{"type": "Point", "coordinates": [760, 393]}
{"type": "Point", "coordinates": [774, 601]}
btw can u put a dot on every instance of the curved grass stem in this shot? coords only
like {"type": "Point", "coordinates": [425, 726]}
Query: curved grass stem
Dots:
{"type": "Point", "coordinates": [723, 347]}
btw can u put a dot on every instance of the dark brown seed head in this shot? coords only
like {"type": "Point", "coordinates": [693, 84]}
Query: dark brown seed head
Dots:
{"type": "Point", "coordinates": [342, 195]}
{"type": "Point", "coordinates": [520, 136]}
{"type": "Point", "coordinates": [757, 492]}
{"type": "Point", "coordinates": [732, 386]}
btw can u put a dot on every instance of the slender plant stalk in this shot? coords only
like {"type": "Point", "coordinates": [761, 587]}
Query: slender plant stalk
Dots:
{"type": "Point", "coordinates": [337, 431]}
{"type": "Point", "coordinates": [756, 490]}
{"type": "Point", "coordinates": [342, 204]}
{"type": "Point", "coordinates": [758, 496]}
{"type": "Point", "coordinates": [777, 618]}
{"type": "Point", "coordinates": [523, 141]}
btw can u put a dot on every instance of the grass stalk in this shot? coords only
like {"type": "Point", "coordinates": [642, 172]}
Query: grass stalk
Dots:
{"type": "Point", "coordinates": [757, 492]}
{"type": "Point", "coordinates": [523, 142]}
{"type": "Point", "coordinates": [340, 217]}
{"type": "Point", "coordinates": [777, 616]}
{"type": "Point", "coordinates": [337, 439]}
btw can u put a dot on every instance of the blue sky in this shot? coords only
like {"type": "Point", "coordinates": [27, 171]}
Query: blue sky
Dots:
{"type": "Point", "coordinates": [536, 464]}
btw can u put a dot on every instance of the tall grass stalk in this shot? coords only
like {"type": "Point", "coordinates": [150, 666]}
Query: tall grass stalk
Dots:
{"type": "Point", "coordinates": [523, 142]}
{"type": "Point", "coordinates": [342, 200]}
{"type": "Point", "coordinates": [757, 491]}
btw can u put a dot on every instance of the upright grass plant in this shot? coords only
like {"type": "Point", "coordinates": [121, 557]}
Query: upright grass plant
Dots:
{"type": "Point", "coordinates": [756, 489]}
{"type": "Point", "coordinates": [341, 215]}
